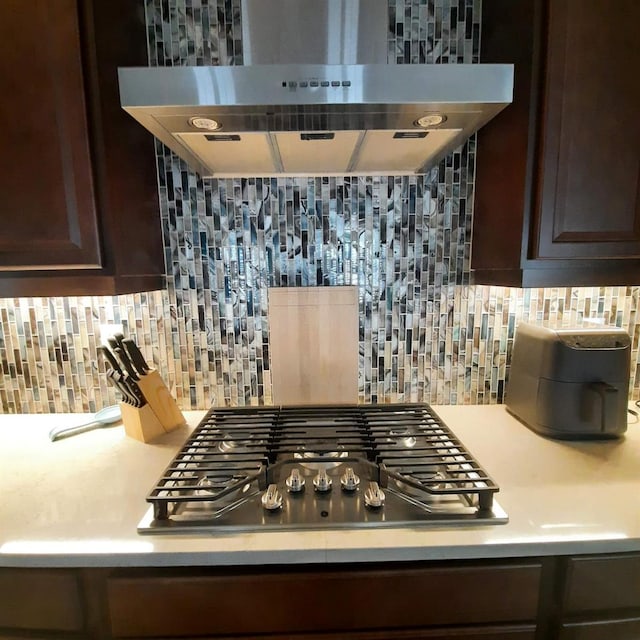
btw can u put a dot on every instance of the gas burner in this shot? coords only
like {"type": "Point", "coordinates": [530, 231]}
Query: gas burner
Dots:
{"type": "Point", "coordinates": [402, 436]}
{"type": "Point", "coordinates": [208, 485]}
{"type": "Point", "coordinates": [434, 480]}
{"type": "Point", "coordinates": [332, 459]}
{"type": "Point", "coordinates": [236, 442]}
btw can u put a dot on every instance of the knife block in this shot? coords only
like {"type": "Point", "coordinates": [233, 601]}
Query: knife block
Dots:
{"type": "Point", "coordinates": [141, 423]}
{"type": "Point", "coordinates": [159, 416]}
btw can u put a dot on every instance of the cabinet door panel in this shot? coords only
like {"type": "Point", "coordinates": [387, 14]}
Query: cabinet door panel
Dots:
{"type": "Point", "coordinates": [602, 584]}
{"type": "Point", "coordinates": [40, 599]}
{"type": "Point", "coordinates": [207, 603]}
{"type": "Point", "coordinates": [47, 209]}
{"type": "Point", "coordinates": [590, 192]}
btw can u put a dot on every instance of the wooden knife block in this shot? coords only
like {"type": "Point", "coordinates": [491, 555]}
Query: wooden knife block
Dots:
{"type": "Point", "coordinates": [159, 416]}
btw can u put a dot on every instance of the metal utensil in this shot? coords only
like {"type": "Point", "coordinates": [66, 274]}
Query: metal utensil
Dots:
{"type": "Point", "coordinates": [103, 418]}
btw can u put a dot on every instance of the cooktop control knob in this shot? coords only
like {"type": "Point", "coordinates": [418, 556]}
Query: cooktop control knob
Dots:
{"type": "Point", "coordinates": [374, 496]}
{"type": "Point", "coordinates": [322, 482]}
{"type": "Point", "coordinates": [271, 498]}
{"type": "Point", "coordinates": [295, 482]}
{"type": "Point", "coordinates": [349, 480]}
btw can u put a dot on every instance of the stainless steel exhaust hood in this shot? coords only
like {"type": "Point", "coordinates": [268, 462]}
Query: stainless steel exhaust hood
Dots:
{"type": "Point", "coordinates": [315, 97]}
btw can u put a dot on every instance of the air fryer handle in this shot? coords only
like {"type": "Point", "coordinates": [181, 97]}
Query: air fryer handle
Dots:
{"type": "Point", "coordinates": [607, 394]}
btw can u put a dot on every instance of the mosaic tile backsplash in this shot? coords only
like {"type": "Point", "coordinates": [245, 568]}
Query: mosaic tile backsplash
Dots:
{"type": "Point", "coordinates": [426, 334]}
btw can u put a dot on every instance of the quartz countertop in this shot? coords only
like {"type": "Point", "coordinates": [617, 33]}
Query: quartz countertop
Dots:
{"type": "Point", "coordinates": [77, 501]}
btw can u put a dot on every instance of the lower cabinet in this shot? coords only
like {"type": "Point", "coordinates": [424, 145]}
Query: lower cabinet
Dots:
{"type": "Point", "coordinates": [40, 599]}
{"type": "Point", "coordinates": [321, 601]}
{"type": "Point", "coordinates": [601, 598]}
{"type": "Point", "coordinates": [566, 598]}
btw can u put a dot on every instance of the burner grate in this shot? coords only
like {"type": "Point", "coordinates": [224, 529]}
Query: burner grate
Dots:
{"type": "Point", "coordinates": [404, 447]}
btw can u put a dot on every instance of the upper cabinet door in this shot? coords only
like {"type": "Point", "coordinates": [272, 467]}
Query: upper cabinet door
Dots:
{"type": "Point", "coordinates": [590, 188]}
{"type": "Point", "coordinates": [558, 171]}
{"type": "Point", "coordinates": [47, 208]}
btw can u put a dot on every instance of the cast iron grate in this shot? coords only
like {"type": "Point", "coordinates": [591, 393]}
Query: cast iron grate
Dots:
{"type": "Point", "coordinates": [234, 448]}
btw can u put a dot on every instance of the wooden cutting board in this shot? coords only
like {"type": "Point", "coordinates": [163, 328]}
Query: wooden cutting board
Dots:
{"type": "Point", "coordinates": [313, 335]}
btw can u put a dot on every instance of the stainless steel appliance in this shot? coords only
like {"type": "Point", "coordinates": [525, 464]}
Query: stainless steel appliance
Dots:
{"type": "Point", "coordinates": [570, 383]}
{"type": "Point", "coordinates": [315, 96]}
{"type": "Point", "coordinates": [276, 468]}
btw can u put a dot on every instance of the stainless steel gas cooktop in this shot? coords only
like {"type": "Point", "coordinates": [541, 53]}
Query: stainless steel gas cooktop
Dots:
{"type": "Point", "coordinates": [277, 468]}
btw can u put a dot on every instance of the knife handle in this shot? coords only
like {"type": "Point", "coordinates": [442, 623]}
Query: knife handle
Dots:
{"type": "Point", "coordinates": [111, 359]}
{"type": "Point", "coordinates": [126, 363]}
{"type": "Point", "coordinates": [136, 392]}
{"type": "Point", "coordinates": [136, 357]}
{"type": "Point", "coordinates": [116, 379]}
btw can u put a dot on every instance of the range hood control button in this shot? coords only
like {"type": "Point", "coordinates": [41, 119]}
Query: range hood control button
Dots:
{"type": "Point", "coordinates": [335, 83]}
{"type": "Point", "coordinates": [322, 482]}
{"type": "Point", "coordinates": [346, 83]}
{"type": "Point", "coordinates": [374, 496]}
{"type": "Point", "coordinates": [295, 482]}
{"type": "Point", "coordinates": [324, 83]}
{"type": "Point", "coordinates": [271, 498]}
{"type": "Point", "coordinates": [349, 480]}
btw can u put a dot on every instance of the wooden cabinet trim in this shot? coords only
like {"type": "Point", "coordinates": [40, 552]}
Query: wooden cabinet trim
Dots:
{"type": "Point", "coordinates": [620, 629]}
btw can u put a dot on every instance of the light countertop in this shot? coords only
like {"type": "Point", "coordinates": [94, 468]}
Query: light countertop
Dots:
{"type": "Point", "coordinates": [77, 502]}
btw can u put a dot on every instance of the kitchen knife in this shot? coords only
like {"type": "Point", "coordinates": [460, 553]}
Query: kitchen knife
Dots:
{"type": "Point", "coordinates": [111, 359]}
{"type": "Point", "coordinates": [124, 358]}
{"type": "Point", "coordinates": [136, 357]}
{"type": "Point", "coordinates": [139, 399]}
{"type": "Point", "coordinates": [117, 379]}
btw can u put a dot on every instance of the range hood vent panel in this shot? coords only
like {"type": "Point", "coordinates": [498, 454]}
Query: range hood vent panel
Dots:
{"type": "Point", "coordinates": [317, 156]}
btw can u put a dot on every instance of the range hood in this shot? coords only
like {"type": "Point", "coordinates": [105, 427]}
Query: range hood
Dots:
{"type": "Point", "coordinates": [315, 96]}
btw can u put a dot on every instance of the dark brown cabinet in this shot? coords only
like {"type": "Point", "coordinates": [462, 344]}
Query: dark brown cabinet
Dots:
{"type": "Point", "coordinates": [558, 172]}
{"type": "Point", "coordinates": [324, 601]}
{"type": "Point", "coordinates": [40, 599]}
{"type": "Point", "coordinates": [601, 598]}
{"type": "Point", "coordinates": [79, 207]}
{"type": "Point", "coordinates": [567, 598]}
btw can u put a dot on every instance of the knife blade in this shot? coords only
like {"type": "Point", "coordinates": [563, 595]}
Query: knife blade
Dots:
{"type": "Point", "coordinates": [136, 357]}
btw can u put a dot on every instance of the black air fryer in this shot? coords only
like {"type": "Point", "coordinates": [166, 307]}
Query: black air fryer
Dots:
{"type": "Point", "coordinates": [570, 383]}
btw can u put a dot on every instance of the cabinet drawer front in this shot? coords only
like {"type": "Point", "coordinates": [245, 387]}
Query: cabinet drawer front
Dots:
{"type": "Point", "coordinates": [610, 630]}
{"type": "Point", "coordinates": [208, 603]}
{"type": "Point", "coordinates": [606, 583]}
{"type": "Point", "coordinates": [35, 599]}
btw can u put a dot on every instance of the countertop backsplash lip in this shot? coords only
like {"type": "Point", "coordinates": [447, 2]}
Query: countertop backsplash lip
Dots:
{"type": "Point", "coordinates": [425, 333]}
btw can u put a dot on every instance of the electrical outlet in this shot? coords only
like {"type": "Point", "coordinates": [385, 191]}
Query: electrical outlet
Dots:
{"type": "Point", "coordinates": [108, 331]}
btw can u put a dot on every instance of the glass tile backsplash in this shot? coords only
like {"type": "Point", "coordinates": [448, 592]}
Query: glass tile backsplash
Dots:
{"type": "Point", "coordinates": [425, 333]}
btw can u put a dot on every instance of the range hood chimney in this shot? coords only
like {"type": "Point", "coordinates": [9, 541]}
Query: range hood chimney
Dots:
{"type": "Point", "coordinates": [314, 97]}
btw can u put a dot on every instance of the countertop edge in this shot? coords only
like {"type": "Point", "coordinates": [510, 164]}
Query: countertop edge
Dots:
{"type": "Point", "coordinates": [318, 556]}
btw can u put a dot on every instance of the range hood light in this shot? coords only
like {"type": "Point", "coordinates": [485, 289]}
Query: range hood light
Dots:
{"type": "Point", "coordinates": [431, 120]}
{"type": "Point", "coordinates": [205, 123]}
